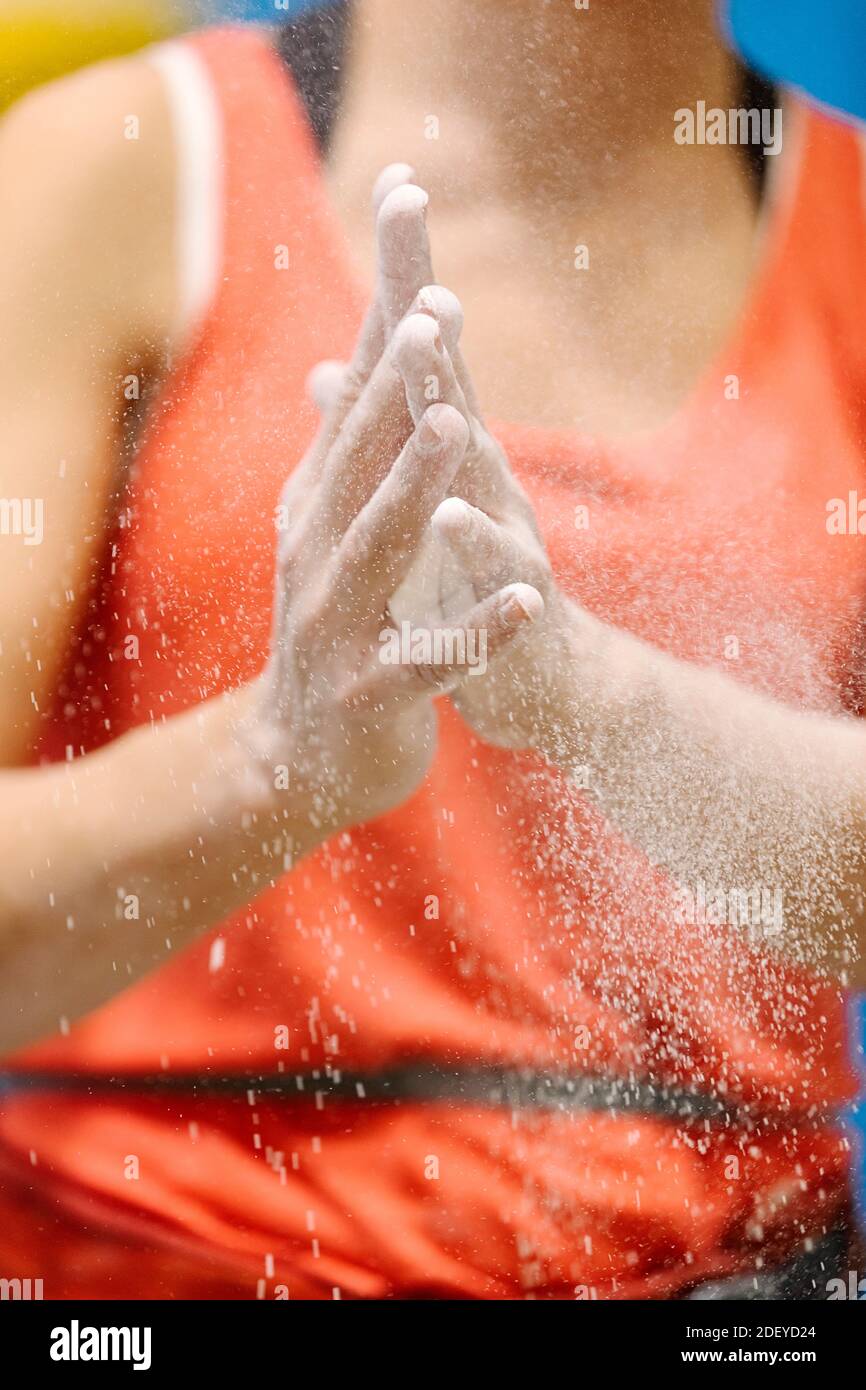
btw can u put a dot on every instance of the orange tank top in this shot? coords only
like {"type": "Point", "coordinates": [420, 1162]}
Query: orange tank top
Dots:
{"type": "Point", "coordinates": [496, 921]}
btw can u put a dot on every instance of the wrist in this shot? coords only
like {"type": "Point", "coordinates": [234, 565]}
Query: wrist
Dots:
{"type": "Point", "coordinates": [272, 794]}
{"type": "Point", "coordinates": [563, 731]}
{"type": "Point", "coordinates": [594, 676]}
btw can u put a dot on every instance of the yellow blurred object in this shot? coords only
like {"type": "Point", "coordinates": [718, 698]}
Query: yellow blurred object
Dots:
{"type": "Point", "coordinates": [42, 39]}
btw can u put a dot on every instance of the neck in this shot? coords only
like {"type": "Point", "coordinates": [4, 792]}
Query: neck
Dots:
{"type": "Point", "coordinates": [556, 129]}
{"type": "Point", "coordinates": [548, 98]}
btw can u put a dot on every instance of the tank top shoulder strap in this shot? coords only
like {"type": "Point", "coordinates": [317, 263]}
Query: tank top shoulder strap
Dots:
{"type": "Point", "coordinates": [236, 114]}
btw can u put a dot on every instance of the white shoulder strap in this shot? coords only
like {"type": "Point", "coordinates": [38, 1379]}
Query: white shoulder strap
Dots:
{"type": "Point", "coordinates": [199, 200]}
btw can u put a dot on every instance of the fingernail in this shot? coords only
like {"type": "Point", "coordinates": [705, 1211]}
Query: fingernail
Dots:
{"type": "Point", "coordinates": [514, 611]}
{"type": "Point", "coordinates": [415, 342]}
{"type": "Point", "coordinates": [523, 606]}
{"type": "Point", "coordinates": [428, 437]}
{"type": "Point", "coordinates": [445, 308]}
{"type": "Point", "coordinates": [407, 198]}
{"type": "Point", "coordinates": [391, 177]}
{"type": "Point", "coordinates": [452, 515]}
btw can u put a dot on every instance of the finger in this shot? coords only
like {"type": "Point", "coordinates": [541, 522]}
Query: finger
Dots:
{"type": "Point", "coordinates": [391, 177]}
{"type": "Point", "coordinates": [444, 306]}
{"type": "Point", "coordinates": [398, 209]}
{"type": "Point", "coordinates": [336, 387]}
{"type": "Point", "coordinates": [325, 382]}
{"type": "Point", "coordinates": [438, 661]}
{"type": "Point", "coordinates": [484, 477]}
{"type": "Point", "coordinates": [422, 358]}
{"type": "Point", "coordinates": [441, 304]}
{"type": "Point", "coordinates": [379, 547]}
{"type": "Point", "coordinates": [405, 266]}
{"type": "Point", "coordinates": [375, 431]}
{"type": "Point", "coordinates": [376, 329]}
{"type": "Point", "coordinates": [328, 378]}
{"type": "Point", "coordinates": [415, 373]}
{"type": "Point", "coordinates": [403, 258]}
{"type": "Point", "coordinates": [401, 243]}
{"type": "Point", "coordinates": [373, 336]}
{"type": "Point", "coordinates": [488, 555]}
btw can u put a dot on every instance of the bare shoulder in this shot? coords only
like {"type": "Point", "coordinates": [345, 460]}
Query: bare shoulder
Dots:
{"type": "Point", "coordinates": [88, 289]}
{"type": "Point", "coordinates": [87, 179]}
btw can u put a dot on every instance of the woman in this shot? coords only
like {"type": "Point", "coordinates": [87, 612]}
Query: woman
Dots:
{"type": "Point", "coordinates": [546, 1011]}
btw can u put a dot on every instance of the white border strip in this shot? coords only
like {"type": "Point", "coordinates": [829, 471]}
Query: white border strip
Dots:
{"type": "Point", "coordinates": [197, 122]}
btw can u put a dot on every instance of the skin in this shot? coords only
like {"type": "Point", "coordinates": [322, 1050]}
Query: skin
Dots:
{"type": "Point", "coordinates": [192, 816]}
{"type": "Point", "coordinates": [698, 770]}
{"type": "Point", "coordinates": [187, 814]}
{"type": "Point", "coordinates": [516, 182]}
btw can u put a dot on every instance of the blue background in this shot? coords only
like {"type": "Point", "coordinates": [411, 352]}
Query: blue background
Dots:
{"type": "Point", "coordinates": [816, 45]}
{"type": "Point", "coordinates": [257, 11]}
{"type": "Point", "coordinates": [857, 1114]}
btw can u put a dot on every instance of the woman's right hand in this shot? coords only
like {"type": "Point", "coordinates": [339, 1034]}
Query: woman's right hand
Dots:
{"type": "Point", "coordinates": [344, 734]}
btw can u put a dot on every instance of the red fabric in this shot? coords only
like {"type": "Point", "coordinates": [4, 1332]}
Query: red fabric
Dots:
{"type": "Point", "coordinates": [555, 942]}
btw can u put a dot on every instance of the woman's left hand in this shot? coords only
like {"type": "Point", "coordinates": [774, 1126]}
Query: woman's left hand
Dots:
{"type": "Point", "coordinates": [482, 539]}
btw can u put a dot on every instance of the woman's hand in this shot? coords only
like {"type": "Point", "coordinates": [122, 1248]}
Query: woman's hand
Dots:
{"type": "Point", "coordinates": [483, 538]}
{"type": "Point", "coordinates": [647, 730]}
{"type": "Point", "coordinates": [480, 547]}
{"type": "Point", "coordinates": [334, 721]}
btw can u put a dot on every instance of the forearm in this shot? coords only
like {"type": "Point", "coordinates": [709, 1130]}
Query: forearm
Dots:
{"type": "Point", "coordinates": [110, 862]}
{"type": "Point", "coordinates": [721, 786]}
